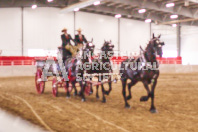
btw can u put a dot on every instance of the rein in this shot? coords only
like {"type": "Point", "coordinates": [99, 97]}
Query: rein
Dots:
{"type": "Point", "coordinates": [144, 55]}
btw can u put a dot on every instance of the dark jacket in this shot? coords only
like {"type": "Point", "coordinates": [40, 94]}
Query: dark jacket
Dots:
{"type": "Point", "coordinates": [66, 40]}
{"type": "Point", "coordinates": [78, 40]}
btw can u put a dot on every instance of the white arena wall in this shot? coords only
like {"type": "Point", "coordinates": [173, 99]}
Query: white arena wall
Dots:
{"type": "Point", "coordinates": [133, 34]}
{"type": "Point", "coordinates": [189, 45]}
{"type": "Point", "coordinates": [42, 29]}
{"type": "Point", "coordinates": [168, 35]}
{"type": "Point", "coordinates": [98, 27]}
{"type": "Point", "coordinates": [10, 31]}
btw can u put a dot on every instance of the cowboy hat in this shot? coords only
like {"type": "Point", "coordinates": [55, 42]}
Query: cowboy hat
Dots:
{"type": "Point", "coordinates": [64, 29]}
{"type": "Point", "coordinates": [79, 30]}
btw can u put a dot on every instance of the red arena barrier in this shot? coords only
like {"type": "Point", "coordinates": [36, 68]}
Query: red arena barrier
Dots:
{"type": "Point", "coordinates": [25, 60]}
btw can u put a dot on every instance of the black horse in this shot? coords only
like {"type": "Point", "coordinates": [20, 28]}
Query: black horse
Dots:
{"type": "Point", "coordinates": [107, 53]}
{"type": "Point", "coordinates": [103, 68]}
{"type": "Point", "coordinates": [74, 68]}
{"type": "Point", "coordinates": [144, 69]}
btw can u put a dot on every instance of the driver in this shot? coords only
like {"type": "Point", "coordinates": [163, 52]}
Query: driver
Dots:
{"type": "Point", "coordinates": [80, 38]}
{"type": "Point", "coordinates": [68, 49]}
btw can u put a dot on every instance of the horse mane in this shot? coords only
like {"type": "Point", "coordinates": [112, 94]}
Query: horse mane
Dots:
{"type": "Point", "coordinates": [149, 44]}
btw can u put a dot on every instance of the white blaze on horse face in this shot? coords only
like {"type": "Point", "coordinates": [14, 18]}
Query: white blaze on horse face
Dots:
{"type": "Point", "coordinates": [90, 44]}
{"type": "Point", "coordinates": [159, 45]}
{"type": "Point", "coordinates": [90, 61]}
{"type": "Point", "coordinates": [157, 41]}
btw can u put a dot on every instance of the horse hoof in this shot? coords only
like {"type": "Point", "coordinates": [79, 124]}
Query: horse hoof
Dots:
{"type": "Point", "coordinates": [153, 111]}
{"type": "Point", "coordinates": [127, 106]}
{"type": "Point", "coordinates": [106, 92]}
{"type": "Point", "coordinates": [79, 94]}
{"type": "Point", "coordinates": [144, 98]}
{"type": "Point", "coordinates": [97, 97]}
{"type": "Point", "coordinates": [83, 100]}
{"type": "Point", "coordinates": [128, 97]}
{"type": "Point", "coordinates": [104, 101]}
{"type": "Point", "coordinates": [68, 97]}
{"type": "Point", "coordinates": [90, 93]}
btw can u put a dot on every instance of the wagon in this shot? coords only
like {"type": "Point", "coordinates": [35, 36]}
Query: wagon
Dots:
{"type": "Point", "coordinates": [40, 80]}
{"type": "Point", "coordinates": [57, 82]}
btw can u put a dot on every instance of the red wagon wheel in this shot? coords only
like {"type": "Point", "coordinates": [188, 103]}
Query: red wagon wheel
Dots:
{"type": "Point", "coordinates": [54, 87]}
{"type": "Point", "coordinates": [40, 85]}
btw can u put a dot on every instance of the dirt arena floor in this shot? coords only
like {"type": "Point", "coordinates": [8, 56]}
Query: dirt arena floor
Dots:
{"type": "Point", "coordinates": [176, 101]}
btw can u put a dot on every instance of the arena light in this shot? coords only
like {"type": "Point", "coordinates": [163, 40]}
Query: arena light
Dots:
{"type": "Point", "coordinates": [34, 6]}
{"type": "Point", "coordinates": [148, 20]}
{"type": "Point", "coordinates": [174, 25]}
{"type": "Point", "coordinates": [50, 0]}
{"type": "Point", "coordinates": [142, 11]}
{"type": "Point", "coordinates": [81, 4]}
{"type": "Point", "coordinates": [97, 3]}
{"type": "Point", "coordinates": [187, 3]}
{"type": "Point", "coordinates": [118, 16]}
{"type": "Point", "coordinates": [76, 9]}
{"type": "Point", "coordinates": [170, 5]}
{"type": "Point", "coordinates": [174, 16]}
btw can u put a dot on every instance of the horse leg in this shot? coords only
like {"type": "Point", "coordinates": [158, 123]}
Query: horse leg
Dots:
{"type": "Point", "coordinates": [124, 81]}
{"type": "Point", "coordinates": [82, 92]}
{"type": "Point", "coordinates": [153, 109]}
{"type": "Point", "coordinates": [97, 96]}
{"type": "Point", "coordinates": [107, 92]}
{"type": "Point", "coordinates": [132, 83]}
{"type": "Point", "coordinates": [81, 88]}
{"type": "Point", "coordinates": [97, 86]}
{"type": "Point", "coordinates": [91, 88]}
{"type": "Point", "coordinates": [110, 87]}
{"type": "Point", "coordinates": [103, 94]}
{"type": "Point", "coordinates": [67, 86]}
{"type": "Point", "coordinates": [145, 98]}
{"type": "Point", "coordinates": [74, 87]}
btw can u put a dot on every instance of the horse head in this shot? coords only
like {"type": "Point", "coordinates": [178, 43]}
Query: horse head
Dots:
{"type": "Point", "coordinates": [107, 48]}
{"type": "Point", "coordinates": [157, 45]}
{"type": "Point", "coordinates": [90, 46]}
{"type": "Point", "coordinates": [88, 51]}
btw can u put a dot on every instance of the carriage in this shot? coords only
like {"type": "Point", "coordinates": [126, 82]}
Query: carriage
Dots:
{"type": "Point", "coordinates": [57, 81]}
{"type": "Point", "coordinates": [59, 72]}
{"type": "Point", "coordinates": [148, 76]}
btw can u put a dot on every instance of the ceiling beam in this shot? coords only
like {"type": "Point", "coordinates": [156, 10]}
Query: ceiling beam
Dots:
{"type": "Point", "coordinates": [195, 1]}
{"type": "Point", "coordinates": [82, 4]}
{"type": "Point", "coordinates": [160, 19]}
{"type": "Point", "coordinates": [112, 10]}
{"type": "Point", "coordinates": [152, 5]}
{"type": "Point", "coordinates": [179, 21]}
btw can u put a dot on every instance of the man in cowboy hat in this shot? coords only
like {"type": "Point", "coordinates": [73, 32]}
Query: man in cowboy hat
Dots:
{"type": "Point", "coordinates": [66, 44]}
{"type": "Point", "coordinates": [80, 38]}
